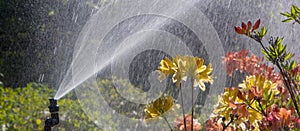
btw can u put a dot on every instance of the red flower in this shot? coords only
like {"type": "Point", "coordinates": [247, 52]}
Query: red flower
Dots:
{"type": "Point", "coordinates": [247, 29]}
{"type": "Point", "coordinates": [256, 25]}
{"type": "Point", "coordinates": [239, 30]}
{"type": "Point", "coordinates": [213, 125]}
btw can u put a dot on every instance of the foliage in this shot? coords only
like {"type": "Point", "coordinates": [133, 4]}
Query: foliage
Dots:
{"type": "Point", "coordinates": [17, 110]}
{"type": "Point", "coordinates": [293, 15]}
{"type": "Point", "coordinates": [266, 100]}
{"type": "Point", "coordinates": [27, 109]}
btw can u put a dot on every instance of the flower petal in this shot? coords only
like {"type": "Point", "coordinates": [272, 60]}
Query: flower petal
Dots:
{"type": "Point", "coordinates": [239, 30]}
{"type": "Point", "coordinates": [256, 25]}
{"type": "Point", "coordinates": [249, 25]}
{"type": "Point", "coordinates": [244, 26]}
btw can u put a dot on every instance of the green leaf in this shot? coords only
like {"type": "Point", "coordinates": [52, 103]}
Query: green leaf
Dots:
{"type": "Point", "coordinates": [271, 96]}
{"type": "Point", "coordinates": [286, 14]}
{"type": "Point", "coordinates": [293, 11]}
{"type": "Point", "coordinates": [278, 40]}
{"type": "Point", "coordinates": [264, 52]}
{"type": "Point", "coordinates": [287, 20]}
{"type": "Point", "coordinates": [288, 56]}
{"type": "Point", "coordinates": [296, 9]}
{"type": "Point", "coordinates": [282, 49]}
{"type": "Point", "coordinates": [293, 65]}
{"type": "Point", "coordinates": [272, 49]}
{"type": "Point", "coordinates": [263, 31]}
{"type": "Point", "coordinates": [257, 33]}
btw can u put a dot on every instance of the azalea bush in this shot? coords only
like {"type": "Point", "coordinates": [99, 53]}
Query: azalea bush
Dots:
{"type": "Point", "coordinates": [267, 99]}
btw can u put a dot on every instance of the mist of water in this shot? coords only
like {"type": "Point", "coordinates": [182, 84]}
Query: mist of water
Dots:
{"type": "Point", "coordinates": [115, 35]}
{"type": "Point", "coordinates": [83, 60]}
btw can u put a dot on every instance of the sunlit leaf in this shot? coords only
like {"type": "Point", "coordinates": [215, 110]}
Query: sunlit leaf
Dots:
{"type": "Point", "coordinates": [293, 11]}
{"type": "Point", "coordinates": [263, 31]}
{"type": "Point", "coordinates": [286, 14]}
{"type": "Point", "coordinates": [287, 20]}
{"type": "Point", "coordinates": [293, 64]}
{"type": "Point", "coordinates": [288, 56]}
{"type": "Point", "coordinates": [296, 9]}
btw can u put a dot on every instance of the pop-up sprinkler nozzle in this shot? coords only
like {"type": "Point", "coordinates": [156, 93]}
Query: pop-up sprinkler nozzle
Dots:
{"type": "Point", "coordinates": [54, 119]}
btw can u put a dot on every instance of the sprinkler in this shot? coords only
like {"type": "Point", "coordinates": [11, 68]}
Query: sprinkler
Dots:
{"type": "Point", "coordinates": [54, 119]}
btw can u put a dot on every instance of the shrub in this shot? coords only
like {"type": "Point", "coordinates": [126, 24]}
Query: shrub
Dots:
{"type": "Point", "coordinates": [27, 109]}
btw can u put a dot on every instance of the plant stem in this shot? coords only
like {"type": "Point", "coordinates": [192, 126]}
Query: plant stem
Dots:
{"type": "Point", "coordinates": [192, 125]}
{"type": "Point", "coordinates": [167, 122]}
{"type": "Point", "coordinates": [287, 83]}
{"type": "Point", "coordinates": [184, 120]}
{"type": "Point", "coordinates": [262, 110]}
{"type": "Point", "coordinates": [231, 120]}
{"type": "Point", "coordinates": [286, 79]}
{"type": "Point", "coordinates": [252, 107]}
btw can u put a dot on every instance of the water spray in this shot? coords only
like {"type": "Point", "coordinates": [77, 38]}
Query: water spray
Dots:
{"type": "Point", "coordinates": [54, 119]}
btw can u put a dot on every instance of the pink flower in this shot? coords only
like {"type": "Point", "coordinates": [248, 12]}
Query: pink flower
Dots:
{"type": "Point", "coordinates": [180, 124]}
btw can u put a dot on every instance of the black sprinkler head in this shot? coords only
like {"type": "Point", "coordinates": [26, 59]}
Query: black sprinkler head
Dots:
{"type": "Point", "coordinates": [53, 107]}
{"type": "Point", "coordinates": [54, 119]}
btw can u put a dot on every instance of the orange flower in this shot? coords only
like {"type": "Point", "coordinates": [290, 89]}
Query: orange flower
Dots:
{"type": "Point", "coordinates": [180, 124]}
{"type": "Point", "coordinates": [281, 118]}
{"type": "Point", "coordinates": [239, 109]}
{"type": "Point", "coordinates": [214, 125]}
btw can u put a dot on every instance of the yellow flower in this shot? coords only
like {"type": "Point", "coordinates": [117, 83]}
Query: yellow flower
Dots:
{"type": "Point", "coordinates": [260, 82]}
{"type": "Point", "coordinates": [166, 68]}
{"type": "Point", "coordinates": [223, 108]}
{"type": "Point", "coordinates": [229, 103]}
{"type": "Point", "coordinates": [181, 67]}
{"type": "Point", "coordinates": [158, 107]}
{"type": "Point", "coordinates": [203, 76]}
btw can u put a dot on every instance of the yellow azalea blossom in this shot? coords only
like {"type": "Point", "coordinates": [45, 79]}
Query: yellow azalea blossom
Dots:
{"type": "Point", "coordinates": [166, 68]}
{"type": "Point", "coordinates": [203, 77]}
{"type": "Point", "coordinates": [158, 107]}
{"type": "Point", "coordinates": [229, 103]}
{"type": "Point", "coordinates": [223, 106]}
{"type": "Point", "coordinates": [181, 67]}
{"type": "Point", "coordinates": [261, 83]}
{"type": "Point", "coordinates": [254, 115]}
